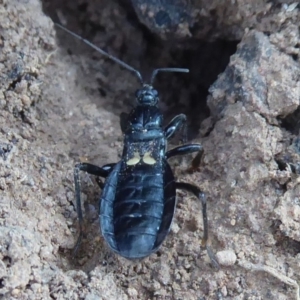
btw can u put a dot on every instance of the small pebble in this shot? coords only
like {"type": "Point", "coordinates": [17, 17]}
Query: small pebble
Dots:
{"type": "Point", "coordinates": [132, 293]}
{"type": "Point", "coordinates": [226, 258]}
{"type": "Point", "coordinates": [15, 292]}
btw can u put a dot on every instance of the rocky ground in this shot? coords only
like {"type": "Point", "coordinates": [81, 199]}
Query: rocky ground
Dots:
{"type": "Point", "coordinates": [60, 104]}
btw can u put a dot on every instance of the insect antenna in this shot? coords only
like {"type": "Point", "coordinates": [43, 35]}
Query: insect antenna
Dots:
{"type": "Point", "coordinates": [118, 61]}
{"type": "Point", "coordinates": [154, 73]}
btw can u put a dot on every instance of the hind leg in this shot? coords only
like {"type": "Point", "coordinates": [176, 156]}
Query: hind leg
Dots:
{"type": "Point", "coordinates": [201, 196]}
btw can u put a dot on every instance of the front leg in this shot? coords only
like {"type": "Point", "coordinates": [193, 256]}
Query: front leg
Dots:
{"type": "Point", "coordinates": [177, 123]}
{"type": "Point", "coordinates": [93, 170]}
{"type": "Point", "coordinates": [123, 121]}
{"type": "Point", "coordinates": [200, 195]}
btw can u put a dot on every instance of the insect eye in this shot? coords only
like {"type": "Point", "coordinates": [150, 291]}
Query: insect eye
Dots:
{"type": "Point", "coordinates": [138, 93]}
{"type": "Point", "coordinates": [155, 93]}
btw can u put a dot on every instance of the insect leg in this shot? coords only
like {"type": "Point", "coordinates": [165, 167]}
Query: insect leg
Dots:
{"type": "Point", "coordinates": [123, 121]}
{"type": "Point", "coordinates": [107, 168]}
{"type": "Point", "coordinates": [90, 169]}
{"type": "Point", "coordinates": [176, 123]}
{"type": "Point", "coordinates": [187, 149]}
{"type": "Point", "coordinates": [200, 195]}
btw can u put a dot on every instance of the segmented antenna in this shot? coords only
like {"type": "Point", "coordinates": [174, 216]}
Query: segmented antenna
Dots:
{"type": "Point", "coordinates": [154, 73]}
{"type": "Point", "coordinates": [118, 61]}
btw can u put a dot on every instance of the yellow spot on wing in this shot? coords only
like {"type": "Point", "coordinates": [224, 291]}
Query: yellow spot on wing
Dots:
{"type": "Point", "coordinates": [147, 159]}
{"type": "Point", "coordinates": [135, 160]}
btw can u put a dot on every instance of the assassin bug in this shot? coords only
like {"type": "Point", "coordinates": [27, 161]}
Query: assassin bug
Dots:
{"type": "Point", "coordinates": [138, 198]}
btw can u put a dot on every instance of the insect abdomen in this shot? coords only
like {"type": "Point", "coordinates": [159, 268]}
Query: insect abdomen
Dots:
{"type": "Point", "coordinates": [136, 221]}
{"type": "Point", "coordinates": [138, 212]}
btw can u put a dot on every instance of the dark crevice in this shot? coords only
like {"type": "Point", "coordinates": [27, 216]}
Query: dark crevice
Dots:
{"type": "Point", "coordinates": [18, 76]}
{"type": "Point", "coordinates": [102, 92]}
{"type": "Point", "coordinates": [281, 164]}
{"type": "Point", "coordinates": [14, 83]}
{"type": "Point", "coordinates": [23, 115]}
{"type": "Point", "coordinates": [7, 261]}
{"type": "Point", "coordinates": [5, 149]}
{"type": "Point", "coordinates": [281, 186]}
{"type": "Point", "coordinates": [82, 7]}
{"type": "Point", "coordinates": [289, 245]}
{"type": "Point", "coordinates": [286, 161]}
{"type": "Point", "coordinates": [132, 17]}
{"type": "Point", "coordinates": [292, 122]}
{"type": "Point", "coordinates": [180, 93]}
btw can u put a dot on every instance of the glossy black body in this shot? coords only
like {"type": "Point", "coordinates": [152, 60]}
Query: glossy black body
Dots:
{"type": "Point", "coordinates": [138, 198]}
{"type": "Point", "coordinates": [138, 201]}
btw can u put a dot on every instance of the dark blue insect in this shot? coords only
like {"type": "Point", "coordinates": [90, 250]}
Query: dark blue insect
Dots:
{"type": "Point", "coordinates": [139, 194]}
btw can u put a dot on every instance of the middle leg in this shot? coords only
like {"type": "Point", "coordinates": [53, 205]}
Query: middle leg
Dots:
{"type": "Point", "coordinates": [93, 170]}
{"type": "Point", "coordinates": [188, 149]}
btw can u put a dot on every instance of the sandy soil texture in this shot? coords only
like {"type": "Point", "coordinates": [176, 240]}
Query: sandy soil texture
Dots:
{"type": "Point", "coordinates": [60, 104]}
